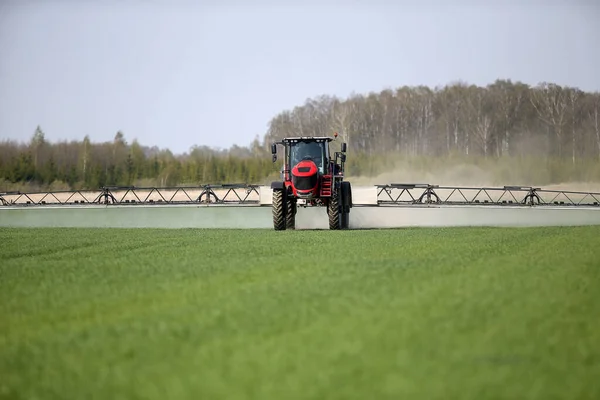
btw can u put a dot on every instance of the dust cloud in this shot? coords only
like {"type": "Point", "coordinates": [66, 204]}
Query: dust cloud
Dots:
{"type": "Point", "coordinates": [477, 216]}
{"type": "Point", "coordinates": [404, 217]}
{"type": "Point", "coordinates": [457, 175]}
{"type": "Point", "coordinates": [465, 174]}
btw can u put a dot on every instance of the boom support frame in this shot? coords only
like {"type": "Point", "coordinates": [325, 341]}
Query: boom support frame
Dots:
{"type": "Point", "coordinates": [398, 194]}
{"type": "Point", "coordinates": [221, 194]}
{"type": "Point", "coordinates": [390, 195]}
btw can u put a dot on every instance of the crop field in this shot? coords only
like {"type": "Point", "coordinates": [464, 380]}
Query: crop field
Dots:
{"type": "Point", "coordinates": [415, 313]}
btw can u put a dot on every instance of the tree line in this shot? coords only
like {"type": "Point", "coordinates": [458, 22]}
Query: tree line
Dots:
{"type": "Point", "coordinates": [41, 165]}
{"type": "Point", "coordinates": [502, 121]}
{"type": "Point", "coordinates": [504, 118]}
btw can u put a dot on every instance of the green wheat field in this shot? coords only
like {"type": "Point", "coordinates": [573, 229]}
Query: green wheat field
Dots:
{"type": "Point", "coordinates": [419, 313]}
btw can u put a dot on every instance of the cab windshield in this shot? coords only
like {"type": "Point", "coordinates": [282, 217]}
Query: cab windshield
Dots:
{"type": "Point", "coordinates": [307, 151]}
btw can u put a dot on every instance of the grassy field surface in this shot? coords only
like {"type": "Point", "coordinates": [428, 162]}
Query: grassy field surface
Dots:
{"type": "Point", "coordinates": [463, 313]}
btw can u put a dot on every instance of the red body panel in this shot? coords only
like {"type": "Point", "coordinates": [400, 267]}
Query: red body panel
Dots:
{"type": "Point", "coordinates": [305, 168]}
{"type": "Point", "coordinates": [307, 171]}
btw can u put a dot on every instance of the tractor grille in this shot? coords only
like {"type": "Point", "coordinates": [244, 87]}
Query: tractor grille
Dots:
{"type": "Point", "coordinates": [304, 182]}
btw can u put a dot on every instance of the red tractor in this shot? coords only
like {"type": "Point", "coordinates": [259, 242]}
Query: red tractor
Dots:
{"type": "Point", "coordinates": [311, 177]}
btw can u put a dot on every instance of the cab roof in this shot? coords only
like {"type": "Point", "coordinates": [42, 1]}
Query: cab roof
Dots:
{"type": "Point", "coordinates": [317, 139]}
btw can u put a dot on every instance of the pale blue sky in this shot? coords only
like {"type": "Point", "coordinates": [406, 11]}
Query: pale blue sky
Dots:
{"type": "Point", "coordinates": [175, 74]}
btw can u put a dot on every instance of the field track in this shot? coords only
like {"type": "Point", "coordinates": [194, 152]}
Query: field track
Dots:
{"type": "Point", "coordinates": [419, 313]}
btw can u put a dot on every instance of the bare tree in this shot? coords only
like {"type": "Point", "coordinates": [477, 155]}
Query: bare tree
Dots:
{"type": "Point", "coordinates": [509, 100]}
{"type": "Point", "coordinates": [342, 122]}
{"type": "Point", "coordinates": [449, 103]}
{"type": "Point", "coordinates": [594, 114]}
{"type": "Point", "coordinates": [480, 122]}
{"type": "Point", "coordinates": [551, 102]}
{"type": "Point", "coordinates": [424, 117]}
{"type": "Point", "coordinates": [85, 155]}
{"type": "Point", "coordinates": [574, 96]}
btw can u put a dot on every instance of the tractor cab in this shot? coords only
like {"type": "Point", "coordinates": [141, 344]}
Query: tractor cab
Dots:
{"type": "Point", "coordinates": [316, 149]}
{"type": "Point", "coordinates": [307, 150]}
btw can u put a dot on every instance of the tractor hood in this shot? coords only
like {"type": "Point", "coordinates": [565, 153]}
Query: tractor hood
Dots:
{"type": "Point", "coordinates": [304, 168]}
{"type": "Point", "coordinates": [305, 177]}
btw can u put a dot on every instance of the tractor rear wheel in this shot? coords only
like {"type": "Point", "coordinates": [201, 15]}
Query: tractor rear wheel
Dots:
{"type": "Point", "coordinates": [344, 220]}
{"type": "Point", "coordinates": [279, 205]}
{"type": "Point", "coordinates": [333, 211]}
{"type": "Point", "coordinates": [346, 204]}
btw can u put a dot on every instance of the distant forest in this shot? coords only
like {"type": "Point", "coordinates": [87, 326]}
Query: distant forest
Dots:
{"type": "Point", "coordinates": [556, 127]}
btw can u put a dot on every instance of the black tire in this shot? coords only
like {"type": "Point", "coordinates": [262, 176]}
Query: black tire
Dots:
{"type": "Point", "coordinates": [333, 211]}
{"type": "Point", "coordinates": [278, 210]}
{"type": "Point", "coordinates": [347, 190]}
{"type": "Point", "coordinates": [345, 220]}
{"type": "Point", "coordinates": [346, 204]}
{"type": "Point", "coordinates": [290, 214]}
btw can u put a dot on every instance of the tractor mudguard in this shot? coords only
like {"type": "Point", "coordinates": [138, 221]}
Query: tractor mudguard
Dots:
{"type": "Point", "coordinates": [347, 195]}
{"type": "Point", "coordinates": [277, 185]}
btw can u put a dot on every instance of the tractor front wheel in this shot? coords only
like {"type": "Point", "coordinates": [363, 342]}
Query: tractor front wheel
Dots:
{"type": "Point", "coordinates": [279, 206]}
